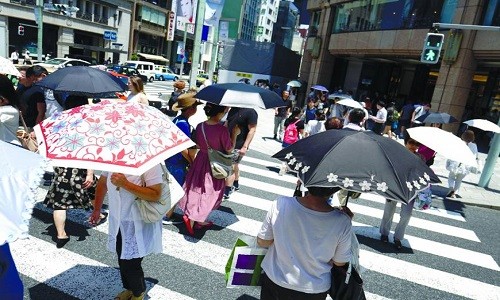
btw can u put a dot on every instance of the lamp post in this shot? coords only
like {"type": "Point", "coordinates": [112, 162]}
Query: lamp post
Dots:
{"type": "Point", "coordinates": [39, 21]}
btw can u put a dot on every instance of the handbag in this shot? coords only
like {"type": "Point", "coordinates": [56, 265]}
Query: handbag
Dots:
{"type": "Point", "coordinates": [171, 193]}
{"type": "Point", "coordinates": [346, 284]}
{"type": "Point", "coordinates": [221, 164]}
{"type": "Point", "coordinates": [477, 169]}
{"type": "Point", "coordinates": [23, 135]}
{"type": "Point", "coordinates": [243, 267]}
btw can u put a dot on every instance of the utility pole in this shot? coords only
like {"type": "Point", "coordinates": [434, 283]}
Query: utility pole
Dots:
{"type": "Point", "coordinates": [184, 49]}
{"type": "Point", "coordinates": [39, 17]}
{"type": "Point", "coordinates": [491, 160]}
{"type": "Point", "coordinates": [200, 18]}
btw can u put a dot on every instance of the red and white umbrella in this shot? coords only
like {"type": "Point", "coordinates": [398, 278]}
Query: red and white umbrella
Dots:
{"type": "Point", "coordinates": [127, 138]}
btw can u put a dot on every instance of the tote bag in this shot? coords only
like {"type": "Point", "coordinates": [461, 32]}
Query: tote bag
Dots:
{"type": "Point", "coordinates": [243, 266]}
{"type": "Point", "coordinates": [221, 164]}
{"type": "Point", "coordinates": [171, 193]}
{"type": "Point", "coordinates": [346, 284]}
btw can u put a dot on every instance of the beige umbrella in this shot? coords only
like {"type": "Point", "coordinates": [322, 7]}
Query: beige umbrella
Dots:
{"type": "Point", "coordinates": [483, 125]}
{"type": "Point", "coordinates": [8, 68]}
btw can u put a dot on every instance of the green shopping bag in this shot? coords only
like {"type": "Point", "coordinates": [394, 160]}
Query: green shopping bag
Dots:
{"type": "Point", "coordinates": [243, 266]}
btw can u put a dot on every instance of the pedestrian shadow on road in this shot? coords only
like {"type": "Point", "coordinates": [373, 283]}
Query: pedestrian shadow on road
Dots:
{"type": "Point", "coordinates": [246, 297]}
{"type": "Point", "coordinates": [376, 244]}
{"type": "Point", "coordinates": [441, 191]}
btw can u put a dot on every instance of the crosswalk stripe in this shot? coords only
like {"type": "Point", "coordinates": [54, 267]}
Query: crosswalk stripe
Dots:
{"type": "Point", "coordinates": [264, 186]}
{"type": "Point", "coordinates": [419, 223]}
{"type": "Point", "coordinates": [435, 248]}
{"type": "Point", "coordinates": [267, 174]}
{"type": "Point", "coordinates": [431, 211]}
{"type": "Point", "coordinates": [261, 162]}
{"type": "Point", "coordinates": [425, 276]}
{"type": "Point", "coordinates": [72, 273]}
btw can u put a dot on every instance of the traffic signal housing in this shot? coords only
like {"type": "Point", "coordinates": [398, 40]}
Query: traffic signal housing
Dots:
{"type": "Point", "coordinates": [20, 30]}
{"type": "Point", "coordinates": [432, 48]}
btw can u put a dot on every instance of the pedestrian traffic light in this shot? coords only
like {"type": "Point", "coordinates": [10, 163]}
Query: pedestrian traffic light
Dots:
{"type": "Point", "coordinates": [20, 30]}
{"type": "Point", "coordinates": [432, 48]}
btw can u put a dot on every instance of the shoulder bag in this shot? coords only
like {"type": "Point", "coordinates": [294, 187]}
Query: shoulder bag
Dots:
{"type": "Point", "coordinates": [346, 284]}
{"type": "Point", "coordinates": [171, 193]}
{"type": "Point", "coordinates": [221, 164]}
{"type": "Point", "coordinates": [27, 141]}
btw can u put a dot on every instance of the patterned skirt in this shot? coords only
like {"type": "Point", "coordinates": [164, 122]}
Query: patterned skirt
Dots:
{"type": "Point", "coordinates": [67, 189]}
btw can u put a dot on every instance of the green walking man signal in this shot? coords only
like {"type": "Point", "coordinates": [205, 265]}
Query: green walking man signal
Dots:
{"type": "Point", "coordinates": [432, 48]}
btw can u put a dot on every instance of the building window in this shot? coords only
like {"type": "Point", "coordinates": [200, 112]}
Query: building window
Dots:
{"type": "Point", "coordinates": [492, 14]}
{"type": "Point", "coordinates": [365, 15]}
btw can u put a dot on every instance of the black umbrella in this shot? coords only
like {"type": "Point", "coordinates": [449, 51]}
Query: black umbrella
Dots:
{"type": "Point", "coordinates": [360, 161]}
{"type": "Point", "coordinates": [240, 95]}
{"type": "Point", "coordinates": [438, 118]}
{"type": "Point", "coordinates": [81, 80]}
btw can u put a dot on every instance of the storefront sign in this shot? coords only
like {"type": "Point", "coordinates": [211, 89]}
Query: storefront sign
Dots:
{"type": "Point", "coordinates": [171, 26]}
{"type": "Point", "coordinates": [110, 36]}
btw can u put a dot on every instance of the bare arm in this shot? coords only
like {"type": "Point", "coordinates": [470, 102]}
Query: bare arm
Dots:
{"type": "Point", "coordinates": [149, 193]}
{"type": "Point", "coordinates": [264, 243]}
{"type": "Point", "coordinates": [252, 128]}
{"type": "Point", "coordinates": [100, 192]}
{"type": "Point", "coordinates": [41, 108]}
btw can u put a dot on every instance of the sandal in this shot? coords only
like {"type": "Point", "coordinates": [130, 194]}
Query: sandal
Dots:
{"type": "Point", "coordinates": [124, 295]}
{"type": "Point", "coordinates": [201, 226]}
{"type": "Point", "coordinates": [187, 222]}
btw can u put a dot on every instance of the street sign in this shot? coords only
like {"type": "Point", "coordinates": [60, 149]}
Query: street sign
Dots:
{"type": "Point", "coordinates": [432, 48]}
{"type": "Point", "coordinates": [110, 35]}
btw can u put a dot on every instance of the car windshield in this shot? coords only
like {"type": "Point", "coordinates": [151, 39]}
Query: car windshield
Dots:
{"type": "Point", "coordinates": [55, 61]}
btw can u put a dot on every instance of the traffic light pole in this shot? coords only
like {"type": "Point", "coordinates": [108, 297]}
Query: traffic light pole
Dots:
{"type": "Point", "coordinates": [489, 164]}
{"type": "Point", "coordinates": [200, 18]}
{"type": "Point", "coordinates": [39, 8]}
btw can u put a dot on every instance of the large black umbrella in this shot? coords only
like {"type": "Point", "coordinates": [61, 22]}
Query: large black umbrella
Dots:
{"type": "Point", "coordinates": [81, 80]}
{"type": "Point", "coordinates": [438, 118]}
{"type": "Point", "coordinates": [360, 161]}
{"type": "Point", "coordinates": [240, 95]}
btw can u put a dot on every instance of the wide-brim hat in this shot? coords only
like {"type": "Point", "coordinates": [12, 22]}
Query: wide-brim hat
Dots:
{"type": "Point", "coordinates": [185, 100]}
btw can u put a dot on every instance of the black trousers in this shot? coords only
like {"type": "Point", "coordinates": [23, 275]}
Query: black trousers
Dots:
{"type": "Point", "coordinates": [272, 291]}
{"type": "Point", "coordinates": [130, 270]}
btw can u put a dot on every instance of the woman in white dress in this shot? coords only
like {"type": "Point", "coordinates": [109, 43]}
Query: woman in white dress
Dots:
{"type": "Point", "coordinates": [129, 235]}
{"type": "Point", "coordinates": [137, 93]}
{"type": "Point", "coordinates": [9, 114]}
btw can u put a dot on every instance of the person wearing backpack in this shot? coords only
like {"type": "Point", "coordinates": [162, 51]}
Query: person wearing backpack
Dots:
{"type": "Point", "coordinates": [178, 90]}
{"type": "Point", "coordinates": [294, 129]}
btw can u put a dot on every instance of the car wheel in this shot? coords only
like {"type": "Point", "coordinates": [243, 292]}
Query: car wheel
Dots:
{"type": "Point", "coordinates": [176, 78]}
{"type": "Point", "coordinates": [162, 78]}
{"type": "Point", "coordinates": [151, 79]}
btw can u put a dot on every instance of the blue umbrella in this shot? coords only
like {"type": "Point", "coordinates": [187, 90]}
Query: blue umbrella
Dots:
{"type": "Point", "coordinates": [82, 80]}
{"type": "Point", "coordinates": [319, 88]}
{"type": "Point", "coordinates": [240, 95]}
{"type": "Point", "coordinates": [438, 118]}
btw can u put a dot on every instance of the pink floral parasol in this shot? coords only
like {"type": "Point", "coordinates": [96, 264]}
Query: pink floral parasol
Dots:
{"type": "Point", "coordinates": [127, 138]}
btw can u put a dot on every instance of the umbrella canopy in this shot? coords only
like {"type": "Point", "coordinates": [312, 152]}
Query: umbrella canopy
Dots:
{"type": "Point", "coordinates": [444, 143]}
{"type": "Point", "coordinates": [20, 174]}
{"type": "Point", "coordinates": [319, 88]}
{"type": "Point", "coordinates": [360, 161]}
{"type": "Point", "coordinates": [82, 80]}
{"type": "Point", "coordinates": [438, 118]}
{"type": "Point", "coordinates": [7, 67]}
{"type": "Point", "coordinates": [128, 138]}
{"type": "Point", "coordinates": [483, 125]}
{"type": "Point", "coordinates": [294, 83]}
{"type": "Point", "coordinates": [240, 95]}
{"type": "Point", "coordinates": [350, 103]}
{"type": "Point", "coordinates": [339, 95]}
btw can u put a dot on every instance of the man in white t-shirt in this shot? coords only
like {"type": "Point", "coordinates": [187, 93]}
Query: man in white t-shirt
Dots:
{"type": "Point", "coordinates": [418, 112]}
{"type": "Point", "coordinates": [305, 236]}
{"type": "Point", "coordinates": [380, 118]}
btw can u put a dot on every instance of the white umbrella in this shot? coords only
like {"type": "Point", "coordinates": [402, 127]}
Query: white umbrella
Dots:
{"type": "Point", "coordinates": [483, 125]}
{"type": "Point", "coordinates": [294, 83]}
{"type": "Point", "coordinates": [350, 103]}
{"type": "Point", "coordinates": [8, 68]}
{"type": "Point", "coordinates": [20, 173]}
{"type": "Point", "coordinates": [339, 95]}
{"type": "Point", "coordinates": [444, 143]}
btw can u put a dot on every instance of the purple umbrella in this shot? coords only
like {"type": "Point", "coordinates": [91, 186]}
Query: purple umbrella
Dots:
{"type": "Point", "coordinates": [319, 88]}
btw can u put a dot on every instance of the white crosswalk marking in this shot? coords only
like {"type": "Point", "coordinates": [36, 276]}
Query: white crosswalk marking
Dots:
{"type": "Point", "coordinates": [79, 273]}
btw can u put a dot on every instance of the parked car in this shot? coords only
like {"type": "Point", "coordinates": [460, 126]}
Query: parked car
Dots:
{"type": "Point", "coordinates": [57, 63]}
{"type": "Point", "coordinates": [128, 71]}
{"type": "Point", "coordinates": [200, 79]}
{"type": "Point", "coordinates": [166, 74]}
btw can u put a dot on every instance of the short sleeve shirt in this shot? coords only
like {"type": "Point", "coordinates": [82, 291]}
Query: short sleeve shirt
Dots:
{"type": "Point", "coordinates": [185, 127]}
{"type": "Point", "coordinates": [241, 117]}
{"type": "Point", "coordinates": [282, 111]}
{"type": "Point", "coordinates": [304, 242]}
{"type": "Point", "coordinates": [30, 100]}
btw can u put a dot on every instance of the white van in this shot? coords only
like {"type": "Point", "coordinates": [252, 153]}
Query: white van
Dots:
{"type": "Point", "coordinates": [144, 67]}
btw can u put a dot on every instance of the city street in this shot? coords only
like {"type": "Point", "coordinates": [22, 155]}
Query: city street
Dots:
{"type": "Point", "coordinates": [451, 250]}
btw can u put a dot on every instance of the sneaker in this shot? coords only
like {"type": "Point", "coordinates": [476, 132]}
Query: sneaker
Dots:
{"type": "Point", "coordinates": [225, 197]}
{"type": "Point", "coordinates": [274, 137]}
{"type": "Point", "coordinates": [384, 238]}
{"type": "Point", "coordinates": [282, 170]}
{"type": "Point", "coordinates": [236, 187]}
{"type": "Point", "coordinates": [169, 221]}
{"type": "Point", "coordinates": [397, 244]}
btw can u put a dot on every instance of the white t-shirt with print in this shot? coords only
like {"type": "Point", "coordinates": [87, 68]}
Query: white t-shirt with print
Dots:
{"type": "Point", "coordinates": [304, 242]}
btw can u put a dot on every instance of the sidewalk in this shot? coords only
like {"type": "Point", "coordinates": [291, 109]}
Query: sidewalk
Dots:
{"type": "Point", "coordinates": [470, 192]}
